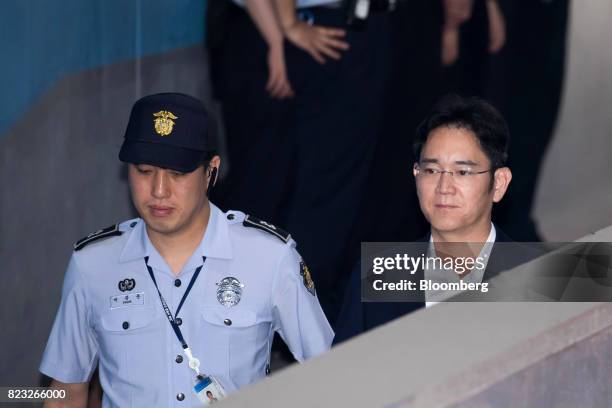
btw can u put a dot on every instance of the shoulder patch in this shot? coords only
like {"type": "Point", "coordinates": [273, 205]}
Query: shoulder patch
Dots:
{"type": "Point", "coordinates": [253, 222]}
{"type": "Point", "coordinates": [306, 278]}
{"type": "Point", "coordinates": [113, 230]}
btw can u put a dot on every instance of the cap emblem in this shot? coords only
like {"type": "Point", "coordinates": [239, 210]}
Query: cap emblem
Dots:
{"type": "Point", "coordinates": [164, 122]}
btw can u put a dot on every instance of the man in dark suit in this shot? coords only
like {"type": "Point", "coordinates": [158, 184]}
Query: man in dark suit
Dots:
{"type": "Point", "coordinates": [461, 171]}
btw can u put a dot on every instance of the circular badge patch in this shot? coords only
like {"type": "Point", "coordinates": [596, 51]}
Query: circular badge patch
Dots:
{"type": "Point", "coordinates": [229, 291]}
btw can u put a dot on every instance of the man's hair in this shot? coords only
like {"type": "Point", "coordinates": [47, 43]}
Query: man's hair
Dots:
{"type": "Point", "coordinates": [475, 115]}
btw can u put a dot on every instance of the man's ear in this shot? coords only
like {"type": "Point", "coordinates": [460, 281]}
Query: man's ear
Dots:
{"type": "Point", "coordinates": [213, 176]}
{"type": "Point", "coordinates": [213, 171]}
{"type": "Point", "coordinates": [501, 181]}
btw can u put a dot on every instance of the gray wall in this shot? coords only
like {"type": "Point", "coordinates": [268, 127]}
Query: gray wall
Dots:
{"type": "Point", "coordinates": [530, 355]}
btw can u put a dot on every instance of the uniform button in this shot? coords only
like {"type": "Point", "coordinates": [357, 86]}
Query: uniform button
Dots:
{"type": "Point", "coordinates": [227, 322]}
{"type": "Point", "coordinates": [230, 216]}
{"type": "Point", "coordinates": [267, 369]}
{"type": "Point", "coordinates": [177, 283]}
{"type": "Point", "coordinates": [179, 321]}
{"type": "Point", "coordinates": [180, 396]}
{"type": "Point", "coordinates": [179, 359]}
{"type": "Point", "coordinates": [125, 325]}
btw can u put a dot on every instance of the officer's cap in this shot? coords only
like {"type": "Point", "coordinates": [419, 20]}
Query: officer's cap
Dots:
{"type": "Point", "coordinates": [168, 130]}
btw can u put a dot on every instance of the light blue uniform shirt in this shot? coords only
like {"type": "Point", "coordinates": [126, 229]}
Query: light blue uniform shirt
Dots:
{"type": "Point", "coordinates": [129, 334]}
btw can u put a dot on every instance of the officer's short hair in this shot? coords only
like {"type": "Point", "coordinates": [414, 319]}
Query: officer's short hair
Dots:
{"type": "Point", "coordinates": [475, 115]}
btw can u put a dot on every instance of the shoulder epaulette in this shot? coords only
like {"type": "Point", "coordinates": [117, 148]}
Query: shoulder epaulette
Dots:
{"type": "Point", "coordinates": [250, 221]}
{"type": "Point", "coordinates": [113, 230]}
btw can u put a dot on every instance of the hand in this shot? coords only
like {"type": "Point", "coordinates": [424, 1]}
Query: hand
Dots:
{"type": "Point", "coordinates": [457, 12]}
{"type": "Point", "coordinates": [450, 45]}
{"type": "Point", "coordinates": [278, 85]}
{"type": "Point", "coordinates": [497, 27]}
{"type": "Point", "coordinates": [319, 42]}
{"type": "Point", "coordinates": [76, 395]}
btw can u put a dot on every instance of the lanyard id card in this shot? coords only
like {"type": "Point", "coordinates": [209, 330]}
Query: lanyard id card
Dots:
{"type": "Point", "coordinates": [208, 390]}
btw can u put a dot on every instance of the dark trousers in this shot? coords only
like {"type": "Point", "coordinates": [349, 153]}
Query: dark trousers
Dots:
{"type": "Point", "coordinates": [530, 81]}
{"type": "Point", "coordinates": [336, 124]}
{"type": "Point", "coordinates": [303, 163]}
{"type": "Point", "coordinates": [258, 147]}
{"type": "Point", "coordinates": [391, 210]}
{"type": "Point", "coordinates": [470, 74]}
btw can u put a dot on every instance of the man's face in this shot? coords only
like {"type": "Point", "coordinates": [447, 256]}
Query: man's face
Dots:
{"type": "Point", "coordinates": [457, 204]}
{"type": "Point", "coordinates": [168, 201]}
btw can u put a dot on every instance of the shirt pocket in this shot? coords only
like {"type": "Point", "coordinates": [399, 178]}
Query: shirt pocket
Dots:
{"type": "Point", "coordinates": [127, 322]}
{"type": "Point", "coordinates": [242, 342]}
{"type": "Point", "coordinates": [126, 330]}
{"type": "Point", "coordinates": [129, 337]}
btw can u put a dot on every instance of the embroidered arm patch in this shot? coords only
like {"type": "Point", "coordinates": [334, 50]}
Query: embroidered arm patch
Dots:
{"type": "Point", "coordinates": [306, 278]}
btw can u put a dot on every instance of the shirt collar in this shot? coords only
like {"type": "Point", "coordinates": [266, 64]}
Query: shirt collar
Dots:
{"type": "Point", "coordinates": [486, 249]}
{"type": "Point", "coordinates": [490, 239]}
{"type": "Point", "coordinates": [216, 242]}
{"type": "Point", "coordinates": [443, 275]}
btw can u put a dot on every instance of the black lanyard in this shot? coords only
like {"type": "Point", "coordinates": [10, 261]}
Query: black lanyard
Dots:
{"type": "Point", "coordinates": [171, 318]}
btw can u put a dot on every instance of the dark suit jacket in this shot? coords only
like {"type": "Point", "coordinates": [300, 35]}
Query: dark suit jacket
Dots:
{"type": "Point", "coordinates": [357, 317]}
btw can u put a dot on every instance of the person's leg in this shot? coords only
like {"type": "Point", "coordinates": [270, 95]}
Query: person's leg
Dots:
{"type": "Point", "coordinates": [537, 40]}
{"type": "Point", "coordinates": [337, 119]}
{"type": "Point", "coordinates": [412, 88]}
{"type": "Point", "coordinates": [468, 75]}
{"type": "Point", "coordinates": [258, 150]}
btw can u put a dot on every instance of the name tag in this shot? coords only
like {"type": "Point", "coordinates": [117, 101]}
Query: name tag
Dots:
{"type": "Point", "coordinates": [132, 299]}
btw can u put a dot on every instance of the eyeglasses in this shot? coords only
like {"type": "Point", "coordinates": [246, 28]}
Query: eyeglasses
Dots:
{"type": "Point", "coordinates": [433, 174]}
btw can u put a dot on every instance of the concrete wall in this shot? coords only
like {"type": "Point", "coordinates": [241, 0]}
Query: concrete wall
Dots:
{"type": "Point", "coordinates": [459, 355]}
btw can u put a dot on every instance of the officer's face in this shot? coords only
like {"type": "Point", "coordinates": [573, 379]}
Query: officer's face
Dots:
{"type": "Point", "coordinates": [456, 205]}
{"type": "Point", "coordinates": [170, 202]}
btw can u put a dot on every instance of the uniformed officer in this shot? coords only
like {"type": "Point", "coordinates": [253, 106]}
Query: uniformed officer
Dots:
{"type": "Point", "coordinates": [185, 288]}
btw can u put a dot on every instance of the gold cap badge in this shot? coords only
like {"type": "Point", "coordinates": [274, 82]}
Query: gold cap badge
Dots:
{"type": "Point", "coordinates": [164, 122]}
